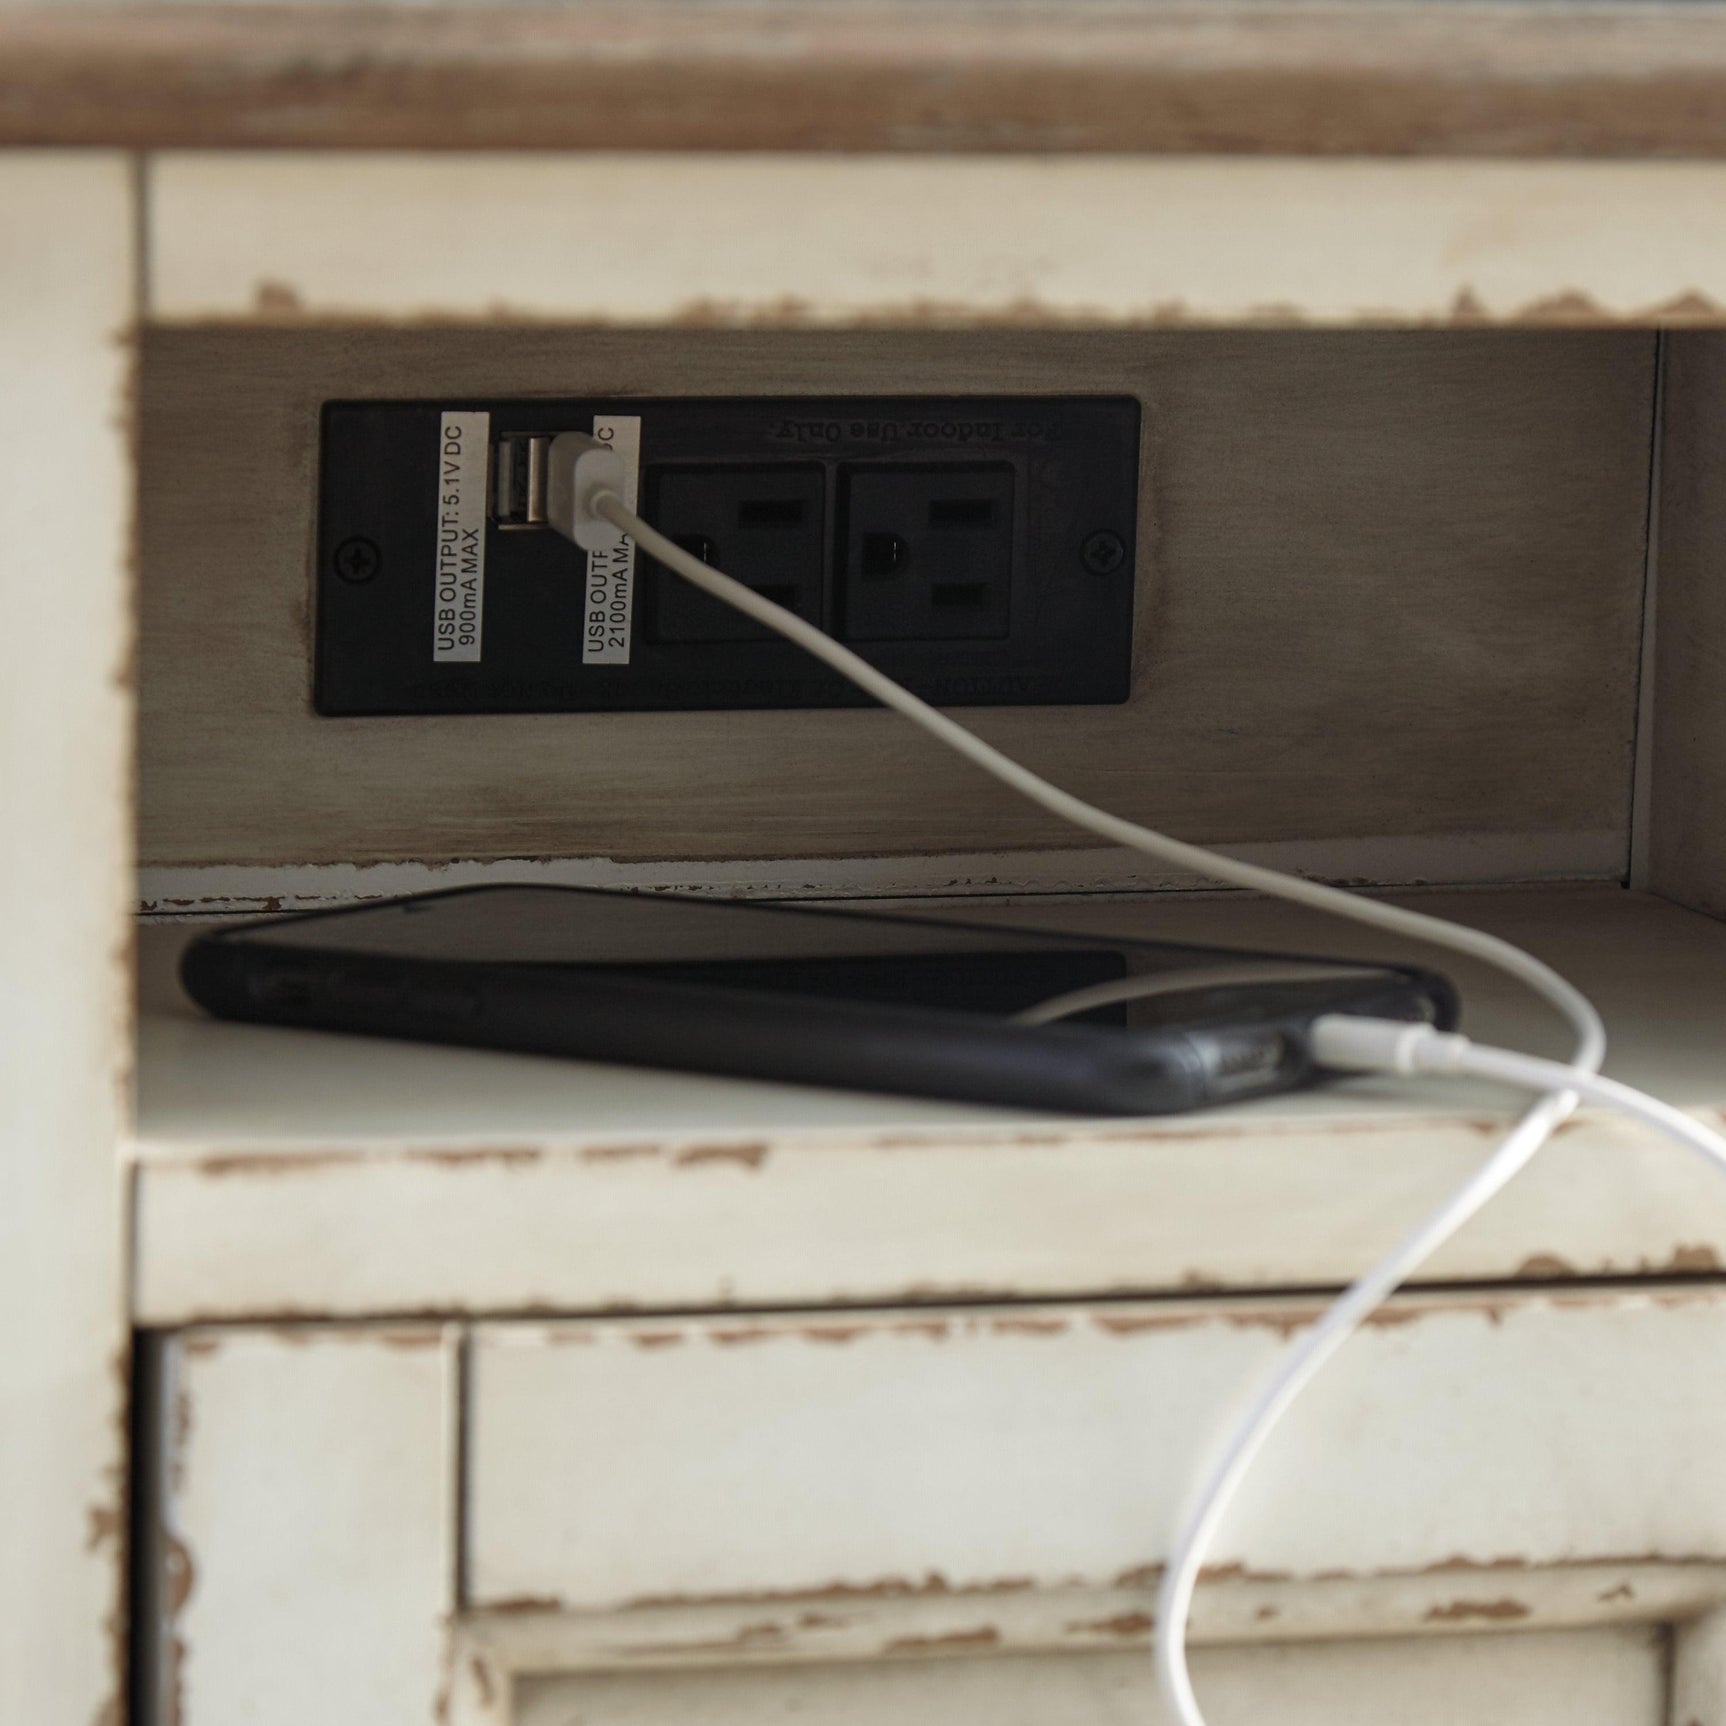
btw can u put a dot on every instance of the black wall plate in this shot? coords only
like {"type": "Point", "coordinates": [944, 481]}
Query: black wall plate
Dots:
{"type": "Point", "coordinates": [977, 549]}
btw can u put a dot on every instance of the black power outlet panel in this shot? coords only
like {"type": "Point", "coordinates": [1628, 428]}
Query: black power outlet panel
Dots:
{"type": "Point", "coordinates": [977, 549]}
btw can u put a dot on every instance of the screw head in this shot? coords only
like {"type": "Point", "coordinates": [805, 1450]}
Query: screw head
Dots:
{"type": "Point", "coordinates": [1103, 552]}
{"type": "Point", "coordinates": [357, 559]}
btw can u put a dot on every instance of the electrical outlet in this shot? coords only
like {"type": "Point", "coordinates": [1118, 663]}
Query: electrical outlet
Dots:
{"type": "Point", "coordinates": [763, 525]}
{"type": "Point", "coordinates": [929, 552]}
{"type": "Point", "coordinates": [977, 549]}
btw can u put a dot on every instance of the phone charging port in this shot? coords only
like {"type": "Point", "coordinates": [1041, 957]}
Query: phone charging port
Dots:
{"type": "Point", "coordinates": [518, 481]}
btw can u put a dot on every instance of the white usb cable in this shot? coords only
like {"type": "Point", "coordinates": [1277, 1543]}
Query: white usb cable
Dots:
{"type": "Point", "coordinates": [585, 482]}
{"type": "Point", "coordinates": [1346, 1044]}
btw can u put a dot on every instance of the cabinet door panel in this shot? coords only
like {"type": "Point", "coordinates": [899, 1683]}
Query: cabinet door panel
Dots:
{"type": "Point", "coordinates": [995, 1449]}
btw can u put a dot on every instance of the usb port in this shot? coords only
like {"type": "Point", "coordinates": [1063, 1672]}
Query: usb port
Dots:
{"type": "Point", "coordinates": [518, 481]}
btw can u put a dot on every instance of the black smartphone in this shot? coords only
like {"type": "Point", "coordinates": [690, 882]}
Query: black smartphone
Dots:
{"type": "Point", "coordinates": [811, 996]}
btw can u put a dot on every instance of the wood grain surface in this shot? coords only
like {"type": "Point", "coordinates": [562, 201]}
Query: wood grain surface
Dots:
{"type": "Point", "coordinates": [1687, 851]}
{"type": "Point", "coordinates": [1514, 79]}
{"type": "Point", "coordinates": [1390, 586]}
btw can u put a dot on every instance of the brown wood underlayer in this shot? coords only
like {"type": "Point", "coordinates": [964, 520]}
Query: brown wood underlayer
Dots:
{"type": "Point", "coordinates": [1332, 77]}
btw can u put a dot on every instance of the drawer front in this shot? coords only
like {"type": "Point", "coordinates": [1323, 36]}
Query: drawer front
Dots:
{"type": "Point", "coordinates": [998, 1449]}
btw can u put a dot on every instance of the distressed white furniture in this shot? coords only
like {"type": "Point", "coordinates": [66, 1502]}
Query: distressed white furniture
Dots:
{"type": "Point", "coordinates": [488, 1390]}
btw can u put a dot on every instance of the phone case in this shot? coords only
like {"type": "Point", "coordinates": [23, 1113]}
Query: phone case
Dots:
{"type": "Point", "coordinates": [650, 1018]}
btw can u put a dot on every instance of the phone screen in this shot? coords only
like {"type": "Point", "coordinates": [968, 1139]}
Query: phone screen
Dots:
{"type": "Point", "coordinates": [999, 972]}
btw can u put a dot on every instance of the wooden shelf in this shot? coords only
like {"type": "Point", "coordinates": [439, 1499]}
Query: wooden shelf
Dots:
{"type": "Point", "coordinates": [282, 1172]}
{"type": "Point", "coordinates": [1514, 79]}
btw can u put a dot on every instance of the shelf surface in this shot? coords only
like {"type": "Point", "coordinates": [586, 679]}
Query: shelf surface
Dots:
{"type": "Point", "coordinates": [293, 1172]}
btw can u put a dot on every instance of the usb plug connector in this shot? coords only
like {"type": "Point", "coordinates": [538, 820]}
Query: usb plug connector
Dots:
{"type": "Point", "coordinates": [578, 469]}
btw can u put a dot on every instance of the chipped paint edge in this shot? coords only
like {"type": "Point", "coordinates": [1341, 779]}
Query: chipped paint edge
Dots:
{"type": "Point", "coordinates": [923, 1618]}
{"type": "Point", "coordinates": [193, 890]}
{"type": "Point", "coordinates": [1232, 242]}
{"type": "Point", "coordinates": [1284, 1312]}
{"type": "Point", "coordinates": [275, 305]}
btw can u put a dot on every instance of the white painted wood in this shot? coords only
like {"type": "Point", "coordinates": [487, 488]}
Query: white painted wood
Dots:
{"type": "Point", "coordinates": [66, 303]}
{"type": "Point", "coordinates": [481, 1688]}
{"type": "Point", "coordinates": [1699, 1671]}
{"type": "Point", "coordinates": [975, 1451]}
{"type": "Point", "coordinates": [308, 1526]}
{"type": "Point", "coordinates": [714, 239]}
{"type": "Point", "coordinates": [520, 1639]}
{"type": "Point", "coordinates": [284, 1171]}
{"type": "Point", "coordinates": [1599, 1678]}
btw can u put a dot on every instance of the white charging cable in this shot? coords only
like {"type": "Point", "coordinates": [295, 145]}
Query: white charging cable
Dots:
{"type": "Point", "coordinates": [1346, 1044]}
{"type": "Point", "coordinates": [585, 480]}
